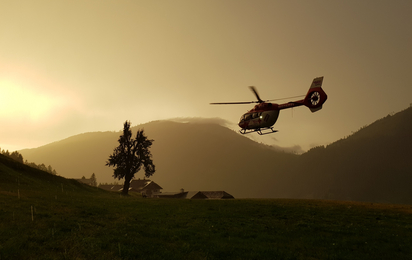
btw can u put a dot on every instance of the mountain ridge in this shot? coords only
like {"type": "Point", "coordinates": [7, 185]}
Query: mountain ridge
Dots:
{"type": "Point", "coordinates": [372, 164]}
{"type": "Point", "coordinates": [179, 153]}
{"type": "Point", "coordinates": [206, 156]}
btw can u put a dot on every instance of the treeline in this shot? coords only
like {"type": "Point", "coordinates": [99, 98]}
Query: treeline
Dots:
{"type": "Point", "coordinates": [19, 158]}
{"type": "Point", "coordinates": [373, 164]}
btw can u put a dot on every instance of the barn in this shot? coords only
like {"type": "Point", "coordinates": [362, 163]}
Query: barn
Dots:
{"type": "Point", "coordinates": [195, 195]}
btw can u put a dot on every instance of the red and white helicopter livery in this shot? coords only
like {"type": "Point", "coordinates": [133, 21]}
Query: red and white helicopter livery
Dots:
{"type": "Point", "coordinates": [264, 115]}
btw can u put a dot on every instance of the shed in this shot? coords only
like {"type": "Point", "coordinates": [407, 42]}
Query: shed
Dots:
{"type": "Point", "coordinates": [195, 195]}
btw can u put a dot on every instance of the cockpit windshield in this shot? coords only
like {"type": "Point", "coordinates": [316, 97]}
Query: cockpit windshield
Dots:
{"type": "Point", "coordinates": [249, 116]}
{"type": "Point", "coordinates": [242, 118]}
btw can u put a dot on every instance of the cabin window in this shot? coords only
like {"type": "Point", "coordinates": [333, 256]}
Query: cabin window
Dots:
{"type": "Point", "coordinates": [248, 117]}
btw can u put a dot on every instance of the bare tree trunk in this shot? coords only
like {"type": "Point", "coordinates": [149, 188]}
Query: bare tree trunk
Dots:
{"type": "Point", "coordinates": [126, 185]}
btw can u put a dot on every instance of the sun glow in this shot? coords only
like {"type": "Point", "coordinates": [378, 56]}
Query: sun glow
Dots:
{"type": "Point", "coordinates": [17, 101]}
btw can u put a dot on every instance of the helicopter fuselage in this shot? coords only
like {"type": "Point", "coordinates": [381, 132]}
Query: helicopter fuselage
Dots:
{"type": "Point", "coordinates": [264, 115]}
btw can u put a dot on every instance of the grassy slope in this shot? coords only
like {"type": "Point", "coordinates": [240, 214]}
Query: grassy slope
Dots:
{"type": "Point", "coordinates": [81, 222]}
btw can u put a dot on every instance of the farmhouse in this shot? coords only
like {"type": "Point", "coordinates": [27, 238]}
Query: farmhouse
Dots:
{"type": "Point", "coordinates": [144, 186]}
{"type": "Point", "coordinates": [195, 195]}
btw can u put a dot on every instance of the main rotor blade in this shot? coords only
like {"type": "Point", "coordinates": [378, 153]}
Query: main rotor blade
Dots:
{"type": "Point", "coordinates": [256, 94]}
{"type": "Point", "coordinates": [233, 103]}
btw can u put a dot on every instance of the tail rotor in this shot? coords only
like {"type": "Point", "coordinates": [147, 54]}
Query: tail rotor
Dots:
{"type": "Point", "coordinates": [316, 96]}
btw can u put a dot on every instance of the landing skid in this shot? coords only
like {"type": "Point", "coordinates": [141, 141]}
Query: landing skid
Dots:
{"type": "Point", "coordinates": [258, 130]}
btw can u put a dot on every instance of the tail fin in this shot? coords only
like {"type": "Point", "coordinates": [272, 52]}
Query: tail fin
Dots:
{"type": "Point", "coordinates": [316, 96]}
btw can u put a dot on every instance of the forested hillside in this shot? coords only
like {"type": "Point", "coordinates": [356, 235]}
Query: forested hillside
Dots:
{"type": "Point", "coordinates": [373, 164]}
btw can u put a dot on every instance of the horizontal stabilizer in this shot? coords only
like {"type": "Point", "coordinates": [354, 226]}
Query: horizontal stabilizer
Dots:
{"type": "Point", "coordinates": [315, 109]}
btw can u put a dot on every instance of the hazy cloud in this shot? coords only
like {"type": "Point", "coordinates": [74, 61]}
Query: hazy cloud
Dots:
{"type": "Point", "coordinates": [200, 120]}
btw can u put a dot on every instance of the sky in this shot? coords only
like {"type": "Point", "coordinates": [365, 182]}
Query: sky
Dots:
{"type": "Point", "coordinates": [69, 67]}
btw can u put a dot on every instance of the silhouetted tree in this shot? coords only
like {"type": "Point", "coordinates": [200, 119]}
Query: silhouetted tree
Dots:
{"type": "Point", "coordinates": [42, 167]}
{"type": "Point", "coordinates": [93, 179]}
{"type": "Point", "coordinates": [16, 156]}
{"type": "Point", "coordinates": [130, 156]}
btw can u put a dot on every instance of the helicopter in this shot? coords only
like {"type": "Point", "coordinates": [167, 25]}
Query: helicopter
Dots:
{"type": "Point", "coordinates": [264, 115]}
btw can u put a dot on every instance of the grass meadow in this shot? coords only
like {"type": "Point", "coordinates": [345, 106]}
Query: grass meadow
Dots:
{"type": "Point", "coordinates": [48, 217]}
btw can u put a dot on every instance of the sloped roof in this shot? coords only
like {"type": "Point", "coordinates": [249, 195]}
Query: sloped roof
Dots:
{"type": "Point", "coordinates": [152, 186]}
{"type": "Point", "coordinates": [139, 183]}
{"type": "Point", "coordinates": [145, 184]}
